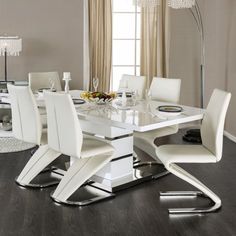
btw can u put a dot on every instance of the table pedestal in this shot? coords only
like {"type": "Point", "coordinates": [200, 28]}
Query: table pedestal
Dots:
{"type": "Point", "coordinates": [119, 173]}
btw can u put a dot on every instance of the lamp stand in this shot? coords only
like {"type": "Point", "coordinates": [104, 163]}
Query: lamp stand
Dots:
{"type": "Point", "coordinates": [194, 135]}
{"type": "Point", "coordinates": [5, 58]}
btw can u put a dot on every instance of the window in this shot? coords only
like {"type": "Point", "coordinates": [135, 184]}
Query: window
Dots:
{"type": "Point", "coordinates": [126, 40]}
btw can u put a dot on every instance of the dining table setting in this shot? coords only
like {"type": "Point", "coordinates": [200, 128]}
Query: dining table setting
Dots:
{"type": "Point", "coordinates": [113, 118]}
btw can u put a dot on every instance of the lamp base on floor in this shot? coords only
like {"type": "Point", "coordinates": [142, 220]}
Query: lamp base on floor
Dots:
{"type": "Point", "coordinates": [193, 136]}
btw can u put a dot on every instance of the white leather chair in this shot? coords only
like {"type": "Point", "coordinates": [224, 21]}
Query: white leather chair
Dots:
{"type": "Point", "coordinates": [165, 90]}
{"type": "Point", "coordinates": [39, 80]}
{"type": "Point", "coordinates": [209, 152]}
{"type": "Point", "coordinates": [65, 137]}
{"type": "Point", "coordinates": [132, 83]}
{"type": "Point", "coordinates": [27, 127]}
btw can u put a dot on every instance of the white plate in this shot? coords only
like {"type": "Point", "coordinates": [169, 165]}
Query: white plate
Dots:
{"type": "Point", "coordinates": [168, 114]}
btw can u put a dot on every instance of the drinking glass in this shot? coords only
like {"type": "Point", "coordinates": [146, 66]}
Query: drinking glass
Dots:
{"type": "Point", "coordinates": [148, 95]}
{"type": "Point", "coordinates": [52, 84]}
{"type": "Point", "coordinates": [95, 84]}
{"type": "Point", "coordinates": [134, 97]}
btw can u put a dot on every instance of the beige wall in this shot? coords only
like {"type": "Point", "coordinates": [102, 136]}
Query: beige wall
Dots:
{"type": "Point", "coordinates": [52, 33]}
{"type": "Point", "coordinates": [231, 68]}
{"type": "Point", "coordinates": [219, 22]}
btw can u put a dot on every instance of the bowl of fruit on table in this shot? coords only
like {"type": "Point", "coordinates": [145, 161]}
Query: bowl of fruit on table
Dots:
{"type": "Point", "coordinates": [98, 97]}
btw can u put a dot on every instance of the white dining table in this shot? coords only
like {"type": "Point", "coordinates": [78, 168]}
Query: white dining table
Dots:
{"type": "Point", "coordinates": [116, 125]}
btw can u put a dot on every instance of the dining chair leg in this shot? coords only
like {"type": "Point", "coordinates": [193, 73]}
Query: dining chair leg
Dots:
{"type": "Point", "coordinates": [181, 194]}
{"type": "Point", "coordinates": [37, 163]}
{"type": "Point", "coordinates": [76, 176]}
{"type": "Point", "coordinates": [204, 191]}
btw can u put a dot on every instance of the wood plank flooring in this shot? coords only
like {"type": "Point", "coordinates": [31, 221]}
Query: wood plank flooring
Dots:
{"type": "Point", "coordinates": [136, 211]}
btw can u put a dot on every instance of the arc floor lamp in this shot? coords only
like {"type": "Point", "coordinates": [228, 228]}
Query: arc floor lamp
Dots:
{"type": "Point", "coordinates": [194, 8]}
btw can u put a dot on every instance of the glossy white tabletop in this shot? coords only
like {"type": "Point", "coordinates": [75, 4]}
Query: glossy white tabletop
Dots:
{"type": "Point", "coordinates": [142, 117]}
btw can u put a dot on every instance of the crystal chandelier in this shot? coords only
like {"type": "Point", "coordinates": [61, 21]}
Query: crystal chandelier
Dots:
{"type": "Point", "coordinates": [177, 4]}
{"type": "Point", "coordinates": [146, 3]}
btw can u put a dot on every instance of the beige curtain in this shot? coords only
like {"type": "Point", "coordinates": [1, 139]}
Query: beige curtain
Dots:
{"type": "Point", "coordinates": [155, 35]}
{"type": "Point", "coordinates": [100, 42]}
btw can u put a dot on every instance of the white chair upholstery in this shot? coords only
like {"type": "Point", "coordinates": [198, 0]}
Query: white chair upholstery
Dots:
{"type": "Point", "coordinates": [166, 90]}
{"type": "Point", "coordinates": [39, 80]}
{"type": "Point", "coordinates": [65, 137]}
{"type": "Point", "coordinates": [209, 152]}
{"type": "Point", "coordinates": [27, 127]}
{"type": "Point", "coordinates": [26, 122]}
{"type": "Point", "coordinates": [132, 83]}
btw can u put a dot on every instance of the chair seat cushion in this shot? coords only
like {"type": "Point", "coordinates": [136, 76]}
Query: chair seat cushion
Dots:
{"type": "Point", "coordinates": [184, 154]}
{"type": "Point", "coordinates": [92, 147]}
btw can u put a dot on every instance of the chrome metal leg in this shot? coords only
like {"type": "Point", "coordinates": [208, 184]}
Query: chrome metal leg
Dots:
{"type": "Point", "coordinates": [181, 193]}
{"type": "Point", "coordinates": [215, 207]}
{"type": "Point", "coordinates": [204, 192]}
{"type": "Point", "coordinates": [86, 195]}
{"type": "Point", "coordinates": [75, 177]}
{"type": "Point", "coordinates": [53, 172]}
{"type": "Point", "coordinates": [37, 165]}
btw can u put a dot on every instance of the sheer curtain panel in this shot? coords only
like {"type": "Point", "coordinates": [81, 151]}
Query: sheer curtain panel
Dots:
{"type": "Point", "coordinates": [155, 41]}
{"type": "Point", "coordinates": [100, 42]}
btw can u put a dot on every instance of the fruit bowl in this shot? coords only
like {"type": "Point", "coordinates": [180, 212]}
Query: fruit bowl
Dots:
{"type": "Point", "coordinates": [98, 97]}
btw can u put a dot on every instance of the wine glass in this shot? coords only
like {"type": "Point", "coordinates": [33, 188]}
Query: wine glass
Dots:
{"type": "Point", "coordinates": [134, 96]}
{"type": "Point", "coordinates": [95, 84]}
{"type": "Point", "coordinates": [52, 84]}
{"type": "Point", "coordinates": [148, 95]}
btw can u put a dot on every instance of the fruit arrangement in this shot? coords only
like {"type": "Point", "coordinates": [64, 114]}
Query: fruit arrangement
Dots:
{"type": "Point", "coordinates": [98, 97]}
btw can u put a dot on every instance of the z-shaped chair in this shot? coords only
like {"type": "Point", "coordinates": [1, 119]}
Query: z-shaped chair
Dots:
{"type": "Point", "coordinates": [164, 90]}
{"type": "Point", "coordinates": [27, 127]}
{"type": "Point", "coordinates": [65, 137]}
{"type": "Point", "coordinates": [209, 152]}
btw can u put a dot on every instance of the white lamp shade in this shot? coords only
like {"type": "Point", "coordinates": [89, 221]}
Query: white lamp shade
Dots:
{"type": "Point", "coordinates": [11, 45]}
{"type": "Point", "coordinates": [178, 4]}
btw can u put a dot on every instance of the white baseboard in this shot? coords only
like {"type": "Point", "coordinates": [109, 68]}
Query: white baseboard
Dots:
{"type": "Point", "coordinates": [230, 136]}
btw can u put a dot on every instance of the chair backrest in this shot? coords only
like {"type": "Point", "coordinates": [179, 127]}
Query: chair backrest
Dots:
{"type": "Point", "coordinates": [26, 121]}
{"type": "Point", "coordinates": [213, 122]}
{"type": "Point", "coordinates": [38, 80]}
{"type": "Point", "coordinates": [132, 82]}
{"type": "Point", "coordinates": [166, 90]}
{"type": "Point", "coordinates": [64, 131]}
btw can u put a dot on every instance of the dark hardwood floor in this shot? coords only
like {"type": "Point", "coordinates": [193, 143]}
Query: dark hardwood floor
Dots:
{"type": "Point", "coordinates": [136, 211]}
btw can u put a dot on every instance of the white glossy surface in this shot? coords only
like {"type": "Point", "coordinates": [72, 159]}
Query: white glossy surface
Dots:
{"type": "Point", "coordinates": [142, 117]}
